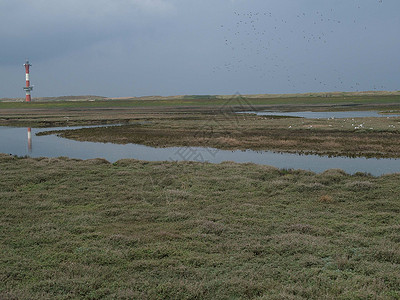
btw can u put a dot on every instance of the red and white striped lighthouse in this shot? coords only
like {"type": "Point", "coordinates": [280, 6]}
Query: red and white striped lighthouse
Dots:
{"type": "Point", "coordinates": [28, 88]}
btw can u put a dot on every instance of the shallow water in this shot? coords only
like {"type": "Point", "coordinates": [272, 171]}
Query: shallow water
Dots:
{"type": "Point", "coordinates": [16, 141]}
{"type": "Point", "coordinates": [324, 114]}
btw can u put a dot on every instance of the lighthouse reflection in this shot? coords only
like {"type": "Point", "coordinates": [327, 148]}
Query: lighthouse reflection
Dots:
{"type": "Point", "coordinates": [29, 140]}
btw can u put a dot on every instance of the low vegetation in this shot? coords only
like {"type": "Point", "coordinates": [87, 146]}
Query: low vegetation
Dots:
{"type": "Point", "coordinates": [93, 102]}
{"type": "Point", "coordinates": [138, 230]}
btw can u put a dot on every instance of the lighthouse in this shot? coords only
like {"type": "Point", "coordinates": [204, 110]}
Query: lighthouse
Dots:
{"type": "Point", "coordinates": [28, 88]}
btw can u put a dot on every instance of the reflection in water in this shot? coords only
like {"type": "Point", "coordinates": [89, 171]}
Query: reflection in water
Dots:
{"type": "Point", "coordinates": [29, 140]}
{"type": "Point", "coordinates": [13, 141]}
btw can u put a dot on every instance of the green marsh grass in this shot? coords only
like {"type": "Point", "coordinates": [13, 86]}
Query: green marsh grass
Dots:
{"type": "Point", "coordinates": [73, 229]}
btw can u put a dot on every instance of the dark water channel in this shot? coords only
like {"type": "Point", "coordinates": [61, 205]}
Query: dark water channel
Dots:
{"type": "Point", "coordinates": [324, 114]}
{"type": "Point", "coordinates": [23, 141]}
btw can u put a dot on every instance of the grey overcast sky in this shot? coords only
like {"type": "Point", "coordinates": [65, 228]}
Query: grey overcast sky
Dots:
{"type": "Point", "coordinates": [172, 47]}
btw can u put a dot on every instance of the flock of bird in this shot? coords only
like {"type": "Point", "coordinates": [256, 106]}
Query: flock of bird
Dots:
{"type": "Point", "coordinates": [266, 45]}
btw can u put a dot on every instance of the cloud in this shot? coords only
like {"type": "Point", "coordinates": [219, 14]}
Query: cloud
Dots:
{"type": "Point", "coordinates": [154, 6]}
{"type": "Point", "coordinates": [43, 29]}
{"type": "Point", "coordinates": [86, 7]}
{"type": "Point", "coordinates": [24, 16]}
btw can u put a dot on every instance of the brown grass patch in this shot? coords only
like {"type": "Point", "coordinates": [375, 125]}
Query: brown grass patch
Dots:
{"type": "Point", "coordinates": [326, 199]}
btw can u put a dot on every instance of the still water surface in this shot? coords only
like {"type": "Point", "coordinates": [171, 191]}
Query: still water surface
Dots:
{"type": "Point", "coordinates": [324, 114]}
{"type": "Point", "coordinates": [18, 141]}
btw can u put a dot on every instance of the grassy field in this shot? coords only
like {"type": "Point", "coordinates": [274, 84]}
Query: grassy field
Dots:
{"type": "Point", "coordinates": [196, 101]}
{"type": "Point", "coordinates": [75, 229]}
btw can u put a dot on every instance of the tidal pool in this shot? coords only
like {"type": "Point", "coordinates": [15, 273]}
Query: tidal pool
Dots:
{"type": "Point", "coordinates": [23, 141]}
{"type": "Point", "coordinates": [324, 114]}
